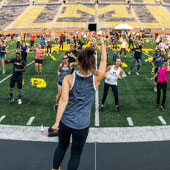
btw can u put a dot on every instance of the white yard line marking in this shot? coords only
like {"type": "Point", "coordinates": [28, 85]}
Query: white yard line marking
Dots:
{"type": "Point", "coordinates": [97, 108]}
{"type": "Point", "coordinates": [95, 157]}
{"type": "Point", "coordinates": [162, 120]}
{"type": "Point", "coordinates": [96, 103]}
{"type": "Point", "coordinates": [11, 51]}
{"type": "Point", "coordinates": [30, 121]}
{"type": "Point", "coordinates": [2, 118]}
{"type": "Point", "coordinates": [5, 78]}
{"type": "Point", "coordinates": [130, 121]}
{"type": "Point", "coordinates": [98, 135]}
{"type": "Point", "coordinates": [147, 54]}
{"type": "Point", "coordinates": [11, 74]}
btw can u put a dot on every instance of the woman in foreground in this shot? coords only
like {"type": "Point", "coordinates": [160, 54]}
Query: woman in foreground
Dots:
{"type": "Point", "coordinates": [74, 110]}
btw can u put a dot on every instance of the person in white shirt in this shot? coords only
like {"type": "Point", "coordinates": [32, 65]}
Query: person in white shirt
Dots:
{"type": "Point", "coordinates": [113, 73]}
{"type": "Point", "coordinates": [162, 47]}
{"type": "Point", "coordinates": [123, 47]}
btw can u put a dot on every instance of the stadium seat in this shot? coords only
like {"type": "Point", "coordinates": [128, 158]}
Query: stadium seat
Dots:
{"type": "Point", "coordinates": [166, 1]}
{"type": "Point", "coordinates": [18, 2]}
{"type": "Point", "coordinates": [144, 17]}
{"type": "Point", "coordinates": [11, 13]}
{"type": "Point", "coordinates": [48, 14]}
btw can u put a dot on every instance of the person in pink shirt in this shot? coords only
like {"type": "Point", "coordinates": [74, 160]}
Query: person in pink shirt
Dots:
{"type": "Point", "coordinates": [39, 53]}
{"type": "Point", "coordinates": [162, 82]}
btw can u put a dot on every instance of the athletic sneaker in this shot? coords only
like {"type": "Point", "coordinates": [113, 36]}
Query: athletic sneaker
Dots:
{"type": "Point", "coordinates": [11, 100]}
{"type": "Point", "coordinates": [3, 72]}
{"type": "Point", "coordinates": [137, 73]}
{"type": "Point", "coordinates": [125, 56]}
{"type": "Point", "coordinates": [155, 89]}
{"type": "Point", "coordinates": [56, 169]}
{"type": "Point", "coordinates": [129, 72]}
{"type": "Point", "coordinates": [117, 109]}
{"type": "Point", "coordinates": [163, 108]}
{"type": "Point", "coordinates": [40, 73]}
{"type": "Point", "coordinates": [55, 107]}
{"type": "Point", "coordinates": [102, 109]}
{"type": "Point", "coordinates": [19, 101]}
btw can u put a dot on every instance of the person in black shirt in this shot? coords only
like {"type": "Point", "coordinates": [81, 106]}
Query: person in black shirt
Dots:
{"type": "Point", "coordinates": [137, 58]}
{"type": "Point", "coordinates": [19, 67]}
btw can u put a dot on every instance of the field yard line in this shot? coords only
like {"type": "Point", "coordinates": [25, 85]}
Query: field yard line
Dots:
{"type": "Point", "coordinates": [11, 51]}
{"type": "Point", "coordinates": [2, 118]}
{"type": "Point", "coordinates": [98, 135]}
{"type": "Point", "coordinates": [162, 120]}
{"type": "Point", "coordinates": [30, 121]}
{"type": "Point", "coordinates": [5, 78]}
{"type": "Point", "coordinates": [130, 121]}
{"type": "Point", "coordinates": [95, 157]}
{"type": "Point", "coordinates": [97, 102]}
{"type": "Point", "coordinates": [147, 54]}
{"type": "Point", "coordinates": [11, 74]}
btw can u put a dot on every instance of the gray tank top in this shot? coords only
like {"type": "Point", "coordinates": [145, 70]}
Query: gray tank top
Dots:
{"type": "Point", "coordinates": [81, 96]}
{"type": "Point", "coordinates": [64, 71]}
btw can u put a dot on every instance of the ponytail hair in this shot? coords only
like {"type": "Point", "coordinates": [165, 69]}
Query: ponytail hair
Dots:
{"type": "Point", "coordinates": [86, 59]}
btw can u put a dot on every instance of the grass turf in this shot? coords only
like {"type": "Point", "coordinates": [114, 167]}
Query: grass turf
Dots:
{"type": "Point", "coordinates": [136, 96]}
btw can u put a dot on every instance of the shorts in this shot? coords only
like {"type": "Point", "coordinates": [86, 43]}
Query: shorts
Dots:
{"type": "Point", "coordinates": [38, 61]}
{"type": "Point", "coordinates": [59, 83]}
{"type": "Point", "coordinates": [18, 80]}
{"type": "Point", "coordinates": [2, 57]}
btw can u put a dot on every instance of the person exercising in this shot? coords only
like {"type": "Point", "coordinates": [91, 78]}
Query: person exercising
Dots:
{"type": "Point", "coordinates": [74, 110]}
{"type": "Point", "coordinates": [19, 67]}
{"type": "Point", "coordinates": [113, 73]}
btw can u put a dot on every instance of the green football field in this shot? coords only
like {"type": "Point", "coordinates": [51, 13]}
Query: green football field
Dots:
{"type": "Point", "coordinates": [136, 96]}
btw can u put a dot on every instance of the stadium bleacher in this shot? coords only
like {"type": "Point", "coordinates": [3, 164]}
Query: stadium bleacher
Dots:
{"type": "Point", "coordinates": [48, 14]}
{"type": "Point", "coordinates": [42, 1]}
{"type": "Point", "coordinates": [80, 1]}
{"type": "Point", "coordinates": [166, 1]}
{"type": "Point", "coordinates": [77, 16]}
{"type": "Point", "coordinates": [144, 13]}
{"type": "Point", "coordinates": [54, 1]}
{"type": "Point", "coordinates": [11, 13]}
{"type": "Point", "coordinates": [144, 17]}
{"type": "Point", "coordinates": [111, 1]}
{"type": "Point", "coordinates": [18, 2]}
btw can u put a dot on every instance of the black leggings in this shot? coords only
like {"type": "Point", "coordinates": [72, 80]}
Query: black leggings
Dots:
{"type": "Point", "coordinates": [78, 140]}
{"type": "Point", "coordinates": [24, 57]}
{"type": "Point", "coordinates": [162, 86]}
{"type": "Point", "coordinates": [130, 44]}
{"type": "Point", "coordinates": [123, 49]}
{"type": "Point", "coordinates": [114, 90]}
{"type": "Point", "coordinates": [49, 49]}
{"type": "Point", "coordinates": [61, 45]}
